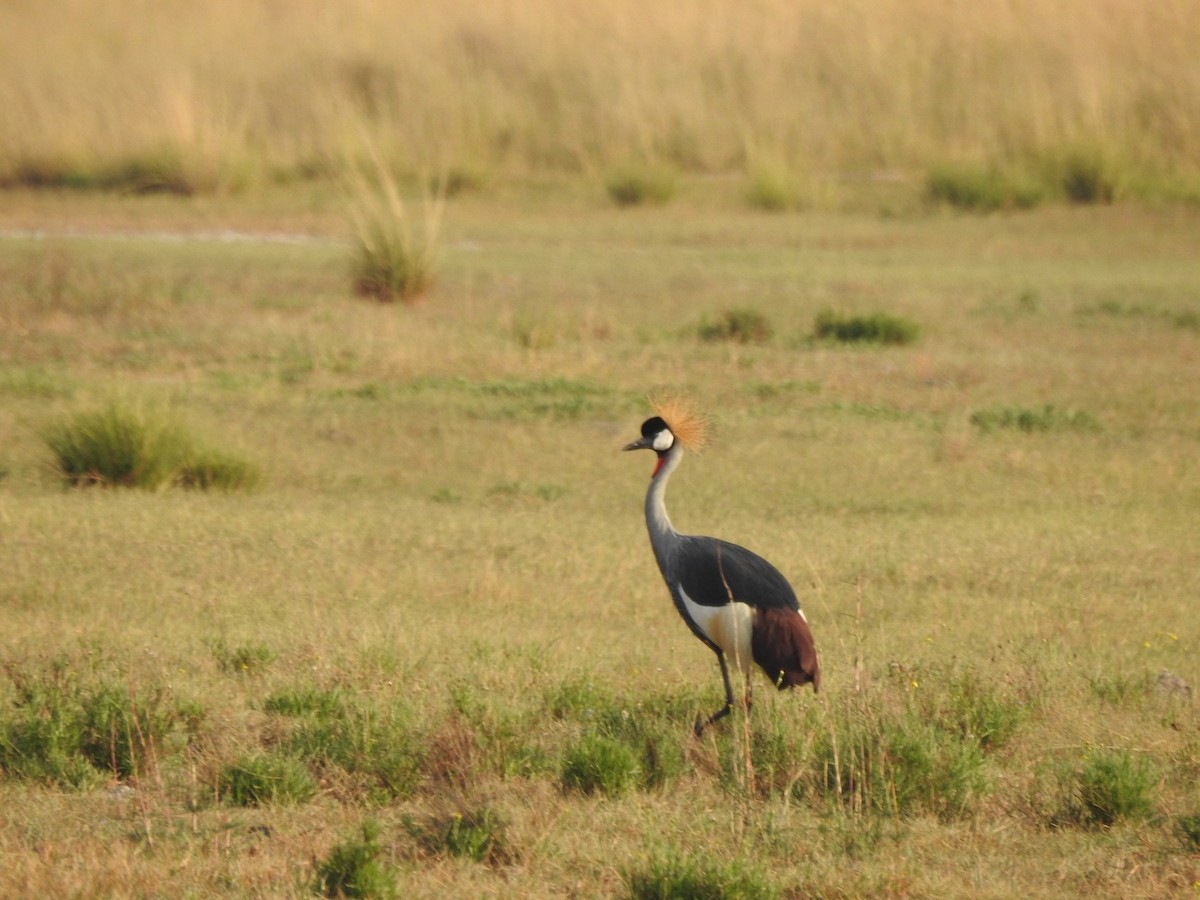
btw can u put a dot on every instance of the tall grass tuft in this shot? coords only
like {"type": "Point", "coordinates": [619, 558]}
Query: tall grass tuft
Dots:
{"type": "Point", "coordinates": [118, 447]}
{"type": "Point", "coordinates": [121, 446]}
{"type": "Point", "coordinates": [394, 259]}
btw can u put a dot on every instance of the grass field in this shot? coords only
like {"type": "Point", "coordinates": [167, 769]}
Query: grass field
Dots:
{"type": "Point", "coordinates": [223, 96]}
{"type": "Point", "coordinates": [321, 570]}
{"type": "Point", "coordinates": [437, 618]}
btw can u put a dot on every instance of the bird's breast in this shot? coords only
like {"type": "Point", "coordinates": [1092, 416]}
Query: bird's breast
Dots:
{"type": "Point", "coordinates": [728, 626]}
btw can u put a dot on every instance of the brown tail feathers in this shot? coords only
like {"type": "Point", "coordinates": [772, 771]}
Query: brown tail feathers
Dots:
{"type": "Point", "coordinates": [783, 646]}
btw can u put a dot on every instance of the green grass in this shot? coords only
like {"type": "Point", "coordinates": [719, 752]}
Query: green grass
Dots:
{"type": "Point", "coordinates": [439, 613]}
{"type": "Point", "coordinates": [678, 876]}
{"type": "Point", "coordinates": [353, 868]}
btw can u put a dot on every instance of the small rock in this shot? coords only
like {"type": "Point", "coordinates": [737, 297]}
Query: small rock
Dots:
{"type": "Point", "coordinates": [1170, 683]}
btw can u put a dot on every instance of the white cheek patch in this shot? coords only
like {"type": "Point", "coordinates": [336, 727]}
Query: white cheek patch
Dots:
{"type": "Point", "coordinates": [727, 626]}
{"type": "Point", "coordinates": [663, 441]}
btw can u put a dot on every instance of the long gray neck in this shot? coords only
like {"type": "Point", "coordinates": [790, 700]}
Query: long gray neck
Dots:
{"type": "Point", "coordinates": [663, 536]}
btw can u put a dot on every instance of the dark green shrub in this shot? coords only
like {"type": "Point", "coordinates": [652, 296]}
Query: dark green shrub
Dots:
{"type": "Point", "coordinates": [354, 868]}
{"type": "Point", "coordinates": [877, 328]}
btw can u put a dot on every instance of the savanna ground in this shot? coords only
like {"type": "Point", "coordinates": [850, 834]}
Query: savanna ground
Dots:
{"type": "Point", "coordinates": [428, 652]}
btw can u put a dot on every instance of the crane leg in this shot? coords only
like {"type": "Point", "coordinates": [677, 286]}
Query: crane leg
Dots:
{"type": "Point", "coordinates": [724, 710]}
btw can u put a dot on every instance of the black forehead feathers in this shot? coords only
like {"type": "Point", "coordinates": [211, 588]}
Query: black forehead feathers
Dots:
{"type": "Point", "coordinates": [653, 426]}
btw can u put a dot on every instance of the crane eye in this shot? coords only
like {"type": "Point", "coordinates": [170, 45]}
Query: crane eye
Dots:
{"type": "Point", "coordinates": [663, 440]}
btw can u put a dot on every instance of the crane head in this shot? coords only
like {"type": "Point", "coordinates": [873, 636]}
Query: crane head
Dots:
{"type": "Point", "coordinates": [656, 436]}
{"type": "Point", "coordinates": [674, 421]}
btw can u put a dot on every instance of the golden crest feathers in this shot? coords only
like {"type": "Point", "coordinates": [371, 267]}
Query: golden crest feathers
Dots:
{"type": "Point", "coordinates": [689, 427]}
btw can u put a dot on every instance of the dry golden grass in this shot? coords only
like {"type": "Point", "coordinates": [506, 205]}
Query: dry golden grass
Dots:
{"type": "Point", "coordinates": [197, 97]}
{"type": "Point", "coordinates": [447, 527]}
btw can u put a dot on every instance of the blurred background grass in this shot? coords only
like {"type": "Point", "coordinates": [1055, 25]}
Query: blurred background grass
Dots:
{"type": "Point", "coordinates": [221, 96]}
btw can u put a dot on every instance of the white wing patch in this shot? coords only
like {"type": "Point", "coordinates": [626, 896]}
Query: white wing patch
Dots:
{"type": "Point", "coordinates": [727, 626]}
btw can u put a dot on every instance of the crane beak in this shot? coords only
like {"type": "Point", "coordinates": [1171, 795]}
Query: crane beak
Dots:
{"type": "Point", "coordinates": [643, 443]}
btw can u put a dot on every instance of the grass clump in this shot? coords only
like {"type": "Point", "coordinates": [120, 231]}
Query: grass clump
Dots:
{"type": "Point", "coordinates": [622, 745]}
{"type": "Point", "coordinates": [975, 710]}
{"type": "Point", "coordinates": [380, 746]}
{"type": "Point", "coordinates": [1108, 786]}
{"type": "Point", "coordinates": [897, 764]}
{"type": "Point", "coordinates": [119, 446]}
{"type": "Point", "coordinates": [774, 189]}
{"type": "Point", "coordinates": [246, 659]}
{"type": "Point", "coordinates": [266, 778]}
{"type": "Point", "coordinates": [354, 868]}
{"type": "Point", "coordinates": [70, 732]}
{"type": "Point", "coordinates": [1047, 418]}
{"type": "Point", "coordinates": [980, 188]}
{"type": "Point", "coordinates": [677, 876]}
{"type": "Point", "coordinates": [638, 184]}
{"type": "Point", "coordinates": [1189, 830]}
{"type": "Point", "coordinates": [474, 834]}
{"type": "Point", "coordinates": [208, 470]}
{"type": "Point", "coordinates": [393, 260]}
{"type": "Point", "coordinates": [876, 328]}
{"type": "Point", "coordinates": [1087, 175]}
{"type": "Point", "coordinates": [738, 326]}
{"type": "Point", "coordinates": [598, 764]}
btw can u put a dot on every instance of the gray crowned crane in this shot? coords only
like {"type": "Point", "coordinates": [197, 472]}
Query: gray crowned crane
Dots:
{"type": "Point", "coordinates": [733, 600]}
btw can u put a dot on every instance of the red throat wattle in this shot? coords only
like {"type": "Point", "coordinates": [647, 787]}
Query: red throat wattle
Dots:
{"type": "Point", "coordinates": [658, 465]}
